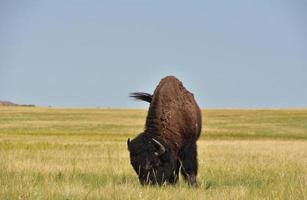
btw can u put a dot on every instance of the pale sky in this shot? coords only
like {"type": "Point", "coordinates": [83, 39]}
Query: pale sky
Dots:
{"type": "Point", "coordinates": [243, 54]}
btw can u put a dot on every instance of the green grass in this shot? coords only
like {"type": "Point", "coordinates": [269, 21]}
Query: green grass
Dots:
{"type": "Point", "coordinates": [48, 153]}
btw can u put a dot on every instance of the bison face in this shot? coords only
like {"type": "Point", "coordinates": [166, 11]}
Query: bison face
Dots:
{"type": "Point", "coordinates": [151, 160]}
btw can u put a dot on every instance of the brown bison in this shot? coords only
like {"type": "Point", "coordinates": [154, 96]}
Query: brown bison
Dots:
{"type": "Point", "coordinates": [168, 143]}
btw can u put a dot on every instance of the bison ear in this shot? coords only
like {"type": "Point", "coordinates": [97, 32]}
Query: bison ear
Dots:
{"type": "Point", "coordinates": [160, 147]}
{"type": "Point", "coordinates": [128, 144]}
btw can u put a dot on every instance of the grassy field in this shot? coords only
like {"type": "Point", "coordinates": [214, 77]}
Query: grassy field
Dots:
{"type": "Point", "coordinates": [48, 153]}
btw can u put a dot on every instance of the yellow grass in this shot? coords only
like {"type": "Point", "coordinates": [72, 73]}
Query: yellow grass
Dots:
{"type": "Point", "coordinates": [81, 154]}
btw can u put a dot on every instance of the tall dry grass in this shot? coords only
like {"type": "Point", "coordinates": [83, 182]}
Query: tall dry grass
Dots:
{"type": "Point", "coordinates": [81, 154]}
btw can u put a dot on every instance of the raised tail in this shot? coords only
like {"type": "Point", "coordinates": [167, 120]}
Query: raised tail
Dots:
{"type": "Point", "coordinates": [141, 96]}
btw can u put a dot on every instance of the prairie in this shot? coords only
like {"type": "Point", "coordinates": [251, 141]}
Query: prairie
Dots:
{"type": "Point", "coordinates": [56, 153]}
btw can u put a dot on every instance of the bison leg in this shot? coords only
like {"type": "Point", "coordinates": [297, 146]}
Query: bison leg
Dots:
{"type": "Point", "coordinates": [174, 178]}
{"type": "Point", "coordinates": [188, 157]}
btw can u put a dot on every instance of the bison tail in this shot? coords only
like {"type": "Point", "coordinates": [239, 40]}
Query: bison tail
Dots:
{"type": "Point", "coordinates": [141, 96]}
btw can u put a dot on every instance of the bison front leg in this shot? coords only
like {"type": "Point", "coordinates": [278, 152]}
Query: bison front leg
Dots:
{"type": "Point", "coordinates": [189, 164]}
{"type": "Point", "coordinates": [175, 175]}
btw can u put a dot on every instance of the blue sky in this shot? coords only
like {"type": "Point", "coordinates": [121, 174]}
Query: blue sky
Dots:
{"type": "Point", "coordinates": [244, 54]}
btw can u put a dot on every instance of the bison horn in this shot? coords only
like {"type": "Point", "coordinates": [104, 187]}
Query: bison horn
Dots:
{"type": "Point", "coordinates": [161, 147]}
{"type": "Point", "coordinates": [128, 143]}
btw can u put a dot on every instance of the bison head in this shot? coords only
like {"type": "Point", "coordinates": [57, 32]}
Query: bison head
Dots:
{"type": "Point", "coordinates": [153, 162]}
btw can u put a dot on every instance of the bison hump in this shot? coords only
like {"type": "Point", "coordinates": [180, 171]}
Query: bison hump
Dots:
{"type": "Point", "coordinates": [173, 112]}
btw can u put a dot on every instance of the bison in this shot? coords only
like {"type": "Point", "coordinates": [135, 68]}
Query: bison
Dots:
{"type": "Point", "coordinates": [168, 143]}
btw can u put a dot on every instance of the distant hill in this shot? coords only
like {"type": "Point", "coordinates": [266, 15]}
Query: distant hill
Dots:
{"type": "Point", "coordinates": [8, 103]}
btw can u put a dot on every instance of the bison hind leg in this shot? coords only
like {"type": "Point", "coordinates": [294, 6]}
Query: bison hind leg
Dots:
{"type": "Point", "coordinates": [189, 164]}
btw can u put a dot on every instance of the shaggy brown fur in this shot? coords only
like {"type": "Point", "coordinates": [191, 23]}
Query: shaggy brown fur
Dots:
{"type": "Point", "coordinates": [168, 142]}
{"type": "Point", "coordinates": [173, 114]}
